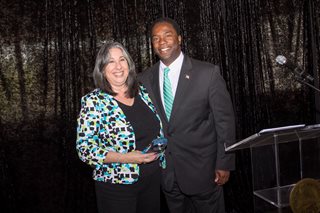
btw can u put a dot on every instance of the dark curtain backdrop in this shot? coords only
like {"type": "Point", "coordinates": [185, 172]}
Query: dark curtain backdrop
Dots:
{"type": "Point", "coordinates": [47, 55]}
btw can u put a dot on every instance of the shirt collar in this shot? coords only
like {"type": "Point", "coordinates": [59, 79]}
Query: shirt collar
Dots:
{"type": "Point", "coordinates": [175, 65]}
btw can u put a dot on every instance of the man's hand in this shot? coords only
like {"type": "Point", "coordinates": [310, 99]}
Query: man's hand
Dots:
{"type": "Point", "coordinates": [221, 177]}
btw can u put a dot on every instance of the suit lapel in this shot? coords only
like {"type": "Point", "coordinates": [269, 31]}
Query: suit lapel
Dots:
{"type": "Point", "coordinates": [156, 91]}
{"type": "Point", "coordinates": [183, 83]}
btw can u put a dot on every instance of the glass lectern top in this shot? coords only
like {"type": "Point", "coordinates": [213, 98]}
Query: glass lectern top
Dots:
{"type": "Point", "coordinates": [282, 134]}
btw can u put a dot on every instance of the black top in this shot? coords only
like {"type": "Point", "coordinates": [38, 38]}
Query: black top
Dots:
{"type": "Point", "coordinates": [146, 127]}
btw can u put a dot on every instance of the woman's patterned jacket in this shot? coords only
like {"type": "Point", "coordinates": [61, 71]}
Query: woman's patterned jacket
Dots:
{"type": "Point", "coordinates": [102, 127]}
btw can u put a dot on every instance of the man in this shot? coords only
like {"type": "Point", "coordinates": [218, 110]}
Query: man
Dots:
{"type": "Point", "coordinates": [198, 120]}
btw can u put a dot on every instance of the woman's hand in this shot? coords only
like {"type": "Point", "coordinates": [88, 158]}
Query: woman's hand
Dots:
{"type": "Point", "coordinates": [139, 157]}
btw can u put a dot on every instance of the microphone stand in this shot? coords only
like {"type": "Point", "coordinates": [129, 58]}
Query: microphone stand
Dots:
{"type": "Point", "coordinates": [303, 80]}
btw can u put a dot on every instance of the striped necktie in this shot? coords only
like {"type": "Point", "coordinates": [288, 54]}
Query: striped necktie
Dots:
{"type": "Point", "coordinates": [167, 93]}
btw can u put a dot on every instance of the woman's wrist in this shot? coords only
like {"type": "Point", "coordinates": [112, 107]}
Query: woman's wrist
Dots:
{"type": "Point", "coordinates": [121, 158]}
{"type": "Point", "coordinates": [114, 157]}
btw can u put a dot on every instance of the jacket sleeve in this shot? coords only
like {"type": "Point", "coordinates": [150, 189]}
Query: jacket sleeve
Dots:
{"type": "Point", "coordinates": [221, 105]}
{"type": "Point", "coordinates": [88, 140]}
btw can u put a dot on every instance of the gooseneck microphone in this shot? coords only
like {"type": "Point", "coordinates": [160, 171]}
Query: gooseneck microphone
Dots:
{"type": "Point", "coordinates": [282, 60]}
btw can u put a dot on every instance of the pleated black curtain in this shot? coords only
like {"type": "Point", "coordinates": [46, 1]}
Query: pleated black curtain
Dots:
{"type": "Point", "coordinates": [47, 54]}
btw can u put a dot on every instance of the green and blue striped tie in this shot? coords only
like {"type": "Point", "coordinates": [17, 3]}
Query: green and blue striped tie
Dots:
{"type": "Point", "coordinates": [167, 93]}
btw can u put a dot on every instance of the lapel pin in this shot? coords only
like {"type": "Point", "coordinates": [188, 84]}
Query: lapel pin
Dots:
{"type": "Point", "coordinates": [187, 77]}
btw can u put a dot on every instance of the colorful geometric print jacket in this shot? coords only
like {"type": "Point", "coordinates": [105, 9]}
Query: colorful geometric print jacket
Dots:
{"type": "Point", "coordinates": [102, 127]}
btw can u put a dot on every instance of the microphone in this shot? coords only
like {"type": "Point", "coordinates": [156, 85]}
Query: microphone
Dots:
{"type": "Point", "coordinates": [282, 60]}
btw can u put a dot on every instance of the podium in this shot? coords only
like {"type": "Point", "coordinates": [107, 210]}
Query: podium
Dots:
{"type": "Point", "coordinates": [280, 157]}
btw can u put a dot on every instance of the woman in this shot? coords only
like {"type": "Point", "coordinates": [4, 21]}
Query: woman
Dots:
{"type": "Point", "coordinates": [116, 121]}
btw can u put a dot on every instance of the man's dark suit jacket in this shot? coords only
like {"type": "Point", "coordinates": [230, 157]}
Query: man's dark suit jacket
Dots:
{"type": "Point", "coordinates": [201, 123]}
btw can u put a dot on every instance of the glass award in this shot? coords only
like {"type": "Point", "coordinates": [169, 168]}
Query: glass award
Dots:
{"type": "Point", "coordinates": [157, 145]}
